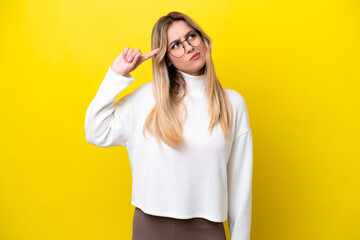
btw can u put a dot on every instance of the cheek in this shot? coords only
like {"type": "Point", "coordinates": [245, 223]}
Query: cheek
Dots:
{"type": "Point", "coordinates": [178, 61]}
{"type": "Point", "coordinates": [203, 51]}
{"type": "Point", "coordinates": [204, 55]}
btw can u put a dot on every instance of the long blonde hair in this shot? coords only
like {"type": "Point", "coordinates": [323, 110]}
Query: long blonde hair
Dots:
{"type": "Point", "coordinates": [167, 116]}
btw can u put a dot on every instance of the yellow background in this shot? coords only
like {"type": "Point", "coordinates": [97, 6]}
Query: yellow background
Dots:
{"type": "Point", "coordinates": [295, 62]}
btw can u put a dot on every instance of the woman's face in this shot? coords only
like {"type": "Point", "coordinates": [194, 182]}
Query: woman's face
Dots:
{"type": "Point", "coordinates": [177, 31]}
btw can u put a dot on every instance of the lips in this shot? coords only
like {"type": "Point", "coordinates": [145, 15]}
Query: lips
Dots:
{"type": "Point", "coordinates": [194, 55]}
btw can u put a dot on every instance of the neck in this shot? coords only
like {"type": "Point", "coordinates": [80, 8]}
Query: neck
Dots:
{"type": "Point", "coordinates": [195, 85]}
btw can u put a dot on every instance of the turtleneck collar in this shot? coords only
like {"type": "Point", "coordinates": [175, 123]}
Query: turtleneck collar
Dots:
{"type": "Point", "coordinates": [195, 84]}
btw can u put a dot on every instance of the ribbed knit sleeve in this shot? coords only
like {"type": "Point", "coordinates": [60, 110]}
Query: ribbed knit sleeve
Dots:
{"type": "Point", "coordinates": [239, 172]}
{"type": "Point", "coordinates": [108, 123]}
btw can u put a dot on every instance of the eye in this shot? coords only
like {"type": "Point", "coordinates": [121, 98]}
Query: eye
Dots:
{"type": "Point", "coordinates": [175, 45]}
{"type": "Point", "coordinates": [192, 35]}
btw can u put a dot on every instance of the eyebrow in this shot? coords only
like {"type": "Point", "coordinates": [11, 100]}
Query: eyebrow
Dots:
{"type": "Point", "coordinates": [185, 36]}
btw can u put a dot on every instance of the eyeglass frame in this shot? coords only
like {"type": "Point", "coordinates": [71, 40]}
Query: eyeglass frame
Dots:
{"type": "Point", "coordinates": [186, 39]}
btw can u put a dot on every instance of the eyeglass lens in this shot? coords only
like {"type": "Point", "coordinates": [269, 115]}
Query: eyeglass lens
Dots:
{"type": "Point", "coordinates": [194, 39]}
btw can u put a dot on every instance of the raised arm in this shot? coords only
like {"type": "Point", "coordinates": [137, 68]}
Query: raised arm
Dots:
{"type": "Point", "coordinates": [109, 123]}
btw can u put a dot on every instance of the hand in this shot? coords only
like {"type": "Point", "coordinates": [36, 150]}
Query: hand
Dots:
{"type": "Point", "coordinates": [128, 60]}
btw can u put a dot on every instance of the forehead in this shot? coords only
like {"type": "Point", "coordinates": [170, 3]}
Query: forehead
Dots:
{"type": "Point", "coordinates": [177, 30]}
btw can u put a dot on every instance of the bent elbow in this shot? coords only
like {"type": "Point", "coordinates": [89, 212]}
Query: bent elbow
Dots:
{"type": "Point", "coordinates": [96, 142]}
{"type": "Point", "coordinates": [90, 140]}
{"type": "Point", "coordinates": [89, 137]}
{"type": "Point", "coordinates": [100, 140]}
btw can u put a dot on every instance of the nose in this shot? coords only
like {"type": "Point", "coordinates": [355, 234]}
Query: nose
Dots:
{"type": "Point", "coordinates": [187, 46]}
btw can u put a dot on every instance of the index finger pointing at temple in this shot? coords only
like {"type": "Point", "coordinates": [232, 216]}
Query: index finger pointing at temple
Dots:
{"type": "Point", "coordinates": [150, 54]}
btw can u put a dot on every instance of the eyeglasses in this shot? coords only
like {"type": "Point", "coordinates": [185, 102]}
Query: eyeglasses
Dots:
{"type": "Point", "coordinates": [194, 39]}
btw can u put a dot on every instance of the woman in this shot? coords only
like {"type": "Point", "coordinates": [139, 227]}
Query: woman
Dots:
{"type": "Point", "coordinates": [189, 140]}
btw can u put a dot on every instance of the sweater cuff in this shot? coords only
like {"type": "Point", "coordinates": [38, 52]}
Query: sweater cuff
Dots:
{"type": "Point", "coordinates": [118, 77]}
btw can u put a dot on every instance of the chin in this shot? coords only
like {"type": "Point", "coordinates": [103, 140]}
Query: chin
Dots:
{"type": "Point", "coordinates": [194, 67]}
{"type": "Point", "coordinates": [194, 70]}
{"type": "Point", "coordinates": [199, 68]}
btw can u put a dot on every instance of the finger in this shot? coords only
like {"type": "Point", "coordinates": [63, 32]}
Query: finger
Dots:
{"type": "Point", "coordinates": [133, 54]}
{"type": "Point", "coordinates": [124, 52]}
{"type": "Point", "coordinates": [129, 54]}
{"type": "Point", "coordinates": [136, 59]}
{"type": "Point", "coordinates": [150, 54]}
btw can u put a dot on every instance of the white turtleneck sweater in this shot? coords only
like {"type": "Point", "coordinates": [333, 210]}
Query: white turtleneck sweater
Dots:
{"type": "Point", "coordinates": [208, 177]}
